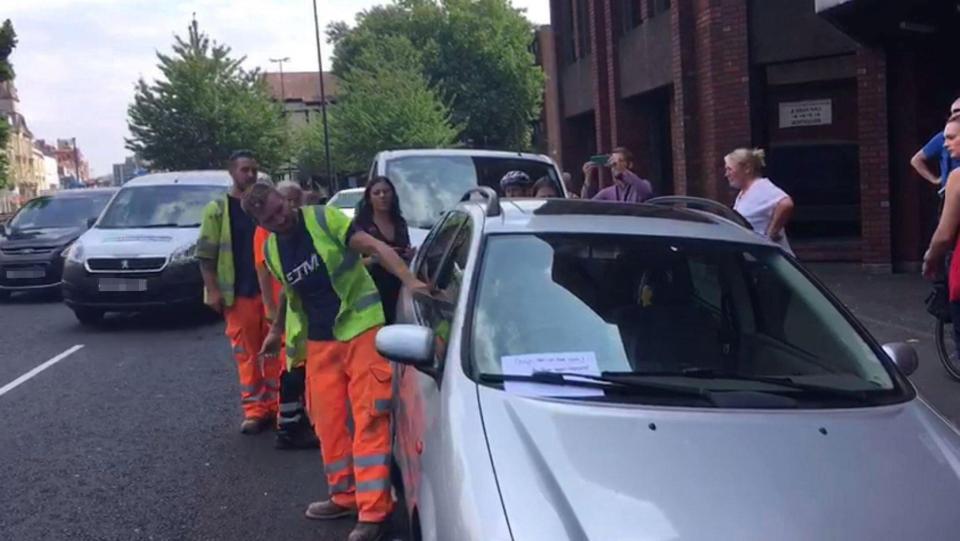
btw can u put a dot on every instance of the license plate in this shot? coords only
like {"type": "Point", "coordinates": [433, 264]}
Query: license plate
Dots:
{"type": "Point", "coordinates": [25, 274]}
{"type": "Point", "coordinates": [121, 285]}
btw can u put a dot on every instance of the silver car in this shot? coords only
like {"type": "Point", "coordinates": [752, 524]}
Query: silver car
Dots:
{"type": "Point", "coordinates": [605, 371]}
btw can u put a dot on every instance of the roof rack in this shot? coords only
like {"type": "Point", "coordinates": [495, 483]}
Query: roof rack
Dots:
{"type": "Point", "coordinates": [701, 204]}
{"type": "Point", "coordinates": [493, 200]}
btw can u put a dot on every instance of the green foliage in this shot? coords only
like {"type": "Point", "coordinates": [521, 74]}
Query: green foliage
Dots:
{"type": "Point", "coordinates": [204, 107]}
{"type": "Point", "coordinates": [475, 53]}
{"type": "Point", "coordinates": [8, 41]}
{"type": "Point", "coordinates": [386, 103]}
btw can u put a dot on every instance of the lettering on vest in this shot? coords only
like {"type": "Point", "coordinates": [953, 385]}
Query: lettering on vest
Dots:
{"type": "Point", "coordinates": [303, 270]}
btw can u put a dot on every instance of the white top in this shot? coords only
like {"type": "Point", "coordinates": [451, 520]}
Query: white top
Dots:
{"type": "Point", "coordinates": [757, 204]}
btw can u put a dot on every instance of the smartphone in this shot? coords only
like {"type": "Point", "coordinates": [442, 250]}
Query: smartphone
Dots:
{"type": "Point", "coordinates": [600, 159]}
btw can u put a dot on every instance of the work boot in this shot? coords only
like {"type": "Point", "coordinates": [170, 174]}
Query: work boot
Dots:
{"type": "Point", "coordinates": [327, 510]}
{"type": "Point", "coordinates": [254, 425]}
{"type": "Point", "coordinates": [368, 531]}
{"type": "Point", "coordinates": [297, 439]}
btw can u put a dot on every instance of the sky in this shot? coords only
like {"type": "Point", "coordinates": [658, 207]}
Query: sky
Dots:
{"type": "Point", "coordinates": [77, 60]}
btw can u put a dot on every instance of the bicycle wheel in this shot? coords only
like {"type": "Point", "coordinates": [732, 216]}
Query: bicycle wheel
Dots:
{"type": "Point", "coordinates": [947, 349]}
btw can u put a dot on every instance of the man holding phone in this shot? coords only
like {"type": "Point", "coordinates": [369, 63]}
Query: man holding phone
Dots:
{"type": "Point", "coordinates": [627, 187]}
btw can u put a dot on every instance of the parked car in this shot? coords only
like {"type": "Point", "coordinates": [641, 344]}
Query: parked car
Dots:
{"type": "Point", "coordinates": [347, 200]}
{"type": "Point", "coordinates": [592, 370]}
{"type": "Point", "coordinates": [431, 181]}
{"type": "Point", "coordinates": [33, 240]}
{"type": "Point", "coordinates": [141, 252]}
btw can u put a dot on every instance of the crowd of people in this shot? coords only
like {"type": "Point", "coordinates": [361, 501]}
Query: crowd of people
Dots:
{"type": "Point", "coordinates": [303, 290]}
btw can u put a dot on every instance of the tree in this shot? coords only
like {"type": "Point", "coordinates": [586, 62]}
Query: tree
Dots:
{"type": "Point", "coordinates": [8, 41]}
{"type": "Point", "coordinates": [203, 108]}
{"type": "Point", "coordinates": [475, 53]}
{"type": "Point", "coordinates": [386, 103]}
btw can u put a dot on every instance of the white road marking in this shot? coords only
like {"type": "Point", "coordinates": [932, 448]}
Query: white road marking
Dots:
{"type": "Point", "coordinates": [26, 377]}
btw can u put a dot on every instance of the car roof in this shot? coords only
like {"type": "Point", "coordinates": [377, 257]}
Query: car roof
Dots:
{"type": "Point", "coordinates": [201, 178]}
{"type": "Point", "coordinates": [82, 192]}
{"type": "Point", "coordinates": [586, 216]}
{"type": "Point", "coordinates": [441, 152]}
{"type": "Point", "coordinates": [349, 190]}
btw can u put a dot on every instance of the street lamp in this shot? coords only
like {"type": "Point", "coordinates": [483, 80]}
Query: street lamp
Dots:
{"type": "Point", "coordinates": [283, 90]}
{"type": "Point", "coordinates": [323, 99]}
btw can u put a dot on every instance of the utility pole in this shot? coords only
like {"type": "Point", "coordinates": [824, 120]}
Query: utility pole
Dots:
{"type": "Point", "coordinates": [323, 102]}
{"type": "Point", "coordinates": [283, 89]}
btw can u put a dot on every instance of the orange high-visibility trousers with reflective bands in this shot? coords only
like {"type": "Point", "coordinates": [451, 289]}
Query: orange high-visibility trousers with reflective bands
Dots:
{"type": "Point", "coordinates": [357, 465]}
{"type": "Point", "coordinates": [259, 379]}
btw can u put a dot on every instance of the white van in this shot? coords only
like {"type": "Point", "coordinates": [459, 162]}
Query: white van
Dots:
{"type": "Point", "coordinates": [432, 181]}
{"type": "Point", "coordinates": [141, 253]}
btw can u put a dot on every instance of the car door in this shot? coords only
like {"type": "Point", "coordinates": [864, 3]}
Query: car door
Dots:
{"type": "Point", "coordinates": [418, 389]}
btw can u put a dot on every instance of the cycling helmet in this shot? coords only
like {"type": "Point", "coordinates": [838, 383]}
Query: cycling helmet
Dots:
{"type": "Point", "coordinates": [515, 178]}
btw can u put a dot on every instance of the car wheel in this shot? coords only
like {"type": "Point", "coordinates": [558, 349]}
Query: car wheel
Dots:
{"type": "Point", "coordinates": [88, 316]}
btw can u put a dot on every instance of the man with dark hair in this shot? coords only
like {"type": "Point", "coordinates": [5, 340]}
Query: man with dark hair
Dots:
{"type": "Point", "coordinates": [231, 287]}
{"type": "Point", "coordinates": [331, 310]}
{"type": "Point", "coordinates": [627, 187]}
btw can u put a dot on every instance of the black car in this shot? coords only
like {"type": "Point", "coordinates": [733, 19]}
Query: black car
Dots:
{"type": "Point", "coordinates": [33, 241]}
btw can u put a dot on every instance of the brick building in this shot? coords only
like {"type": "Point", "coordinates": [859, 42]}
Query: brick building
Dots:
{"type": "Point", "coordinates": [299, 92]}
{"type": "Point", "coordinates": [841, 93]}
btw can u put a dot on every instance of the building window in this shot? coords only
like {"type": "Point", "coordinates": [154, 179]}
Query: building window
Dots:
{"type": "Point", "coordinates": [660, 6]}
{"type": "Point", "coordinates": [583, 27]}
{"type": "Point", "coordinates": [630, 15]}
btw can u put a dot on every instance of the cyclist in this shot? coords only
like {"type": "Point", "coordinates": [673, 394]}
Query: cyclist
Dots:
{"type": "Point", "coordinates": [945, 237]}
{"type": "Point", "coordinates": [516, 184]}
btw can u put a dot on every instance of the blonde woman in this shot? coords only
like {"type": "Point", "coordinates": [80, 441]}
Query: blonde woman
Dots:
{"type": "Point", "coordinates": [760, 201]}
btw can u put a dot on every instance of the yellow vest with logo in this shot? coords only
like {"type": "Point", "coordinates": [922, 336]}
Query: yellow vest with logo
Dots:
{"type": "Point", "coordinates": [360, 308]}
{"type": "Point", "coordinates": [216, 243]}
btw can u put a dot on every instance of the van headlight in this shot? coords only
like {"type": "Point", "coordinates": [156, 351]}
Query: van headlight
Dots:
{"type": "Point", "coordinates": [73, 253]}
{"type": "Point", "coordinates": [184, 255]}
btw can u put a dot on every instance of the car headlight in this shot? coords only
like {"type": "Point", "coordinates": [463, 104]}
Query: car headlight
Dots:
{"type": "Point", "coordinates": [73, 253]}
{"type": "Point", "coordinates": [184, 255]}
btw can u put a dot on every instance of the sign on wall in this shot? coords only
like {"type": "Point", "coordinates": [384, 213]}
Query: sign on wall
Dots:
{"type": "Point", "coordinates": [794, 114]}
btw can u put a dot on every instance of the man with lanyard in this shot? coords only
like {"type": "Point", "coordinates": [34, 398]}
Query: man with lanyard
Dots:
{"type": "Point", "coordinates": [330, 307]}
{"type": "Point", "coordinates": [225, 252]}
{"type": "Point", "coordinates": [934, 152]}
{"type": "Point", "coordinates": [627, 187]}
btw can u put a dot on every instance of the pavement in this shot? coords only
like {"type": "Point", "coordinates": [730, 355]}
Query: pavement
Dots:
{"type": "Point", "coordinates": [135, 435]}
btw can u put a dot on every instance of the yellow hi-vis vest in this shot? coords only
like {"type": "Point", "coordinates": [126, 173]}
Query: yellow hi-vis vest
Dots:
{"type": "Point", "coordinates": [360, 308]}
{"type": "Point", "coordinates": [216, 244]}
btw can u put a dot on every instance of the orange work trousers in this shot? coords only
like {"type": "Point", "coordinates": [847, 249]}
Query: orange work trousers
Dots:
{"type": "Point", "coordinates": [353, 375]}
{"type": "Point", "coordinates": [259, 378]}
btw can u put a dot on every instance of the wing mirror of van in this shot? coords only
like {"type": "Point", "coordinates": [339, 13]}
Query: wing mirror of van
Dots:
{"type": "Point", "coordinates": [90, 222]}
{"type": "Point", "coordinates": [411, 345]}
{"type": "Point", "coordinates": [904, 356]}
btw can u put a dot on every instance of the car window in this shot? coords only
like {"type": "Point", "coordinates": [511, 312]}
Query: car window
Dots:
{"type": "Point", "coordinates": [429, 185]}
{"type": "Point", "coordinates": [346, 200]}
{"type": "Point", "coordinates": [52, 212]}
{"type": "Point", "coordinates": [159, 206]}
{"type": "Point", "coordinates": [672, 309]}
{"type": "Point", "coordinates": [436, 245]}
{"type": "Point", "coordinates": [437, 310]}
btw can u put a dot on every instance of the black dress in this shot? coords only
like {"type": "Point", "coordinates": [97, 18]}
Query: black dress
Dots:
{"type": "Point", "coordinates": [387, 284]}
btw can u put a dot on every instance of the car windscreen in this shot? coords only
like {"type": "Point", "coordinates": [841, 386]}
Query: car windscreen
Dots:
{"type": "Point", "coordinates": [55, 212]}
{"type": "Point", "coordinates": [346, 200]}
{"type": "Point", "coordinates": [429, 185]}
{"type": "Point", "coordinates": [709, 316]}
{"type": "Point", "coordinates": [159, 206]}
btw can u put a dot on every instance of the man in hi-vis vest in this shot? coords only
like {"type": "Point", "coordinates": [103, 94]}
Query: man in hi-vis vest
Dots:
{"type": "Point", "coordinates": [331, 307]}
{"type": "Point", "coordinates": [231, 287]}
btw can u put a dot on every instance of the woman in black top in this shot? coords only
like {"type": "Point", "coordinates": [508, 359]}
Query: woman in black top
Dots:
{"type": "Point", "coordinates": [379, 215]}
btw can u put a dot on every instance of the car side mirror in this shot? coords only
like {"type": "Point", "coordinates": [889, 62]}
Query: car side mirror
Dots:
{"type": "Point", "coordinates": [90, 222]}
{"type": "Point", "coordinates": [411, 345]}
{"type": "Point", "coordinates": [904, 356]}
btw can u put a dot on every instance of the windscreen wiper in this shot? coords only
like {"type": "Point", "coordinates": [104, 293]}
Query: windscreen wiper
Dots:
{"type": "Point", "coordinates": [785, 382]}
{"type": "Point", "coordinates": [608, 383]}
